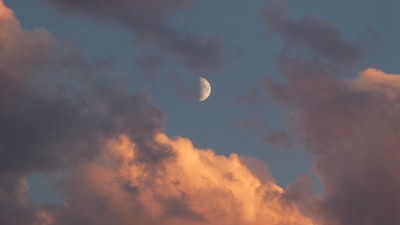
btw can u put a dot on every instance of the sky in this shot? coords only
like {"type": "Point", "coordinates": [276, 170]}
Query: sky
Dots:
{"type": "Point", "coordinates": [100, 121]}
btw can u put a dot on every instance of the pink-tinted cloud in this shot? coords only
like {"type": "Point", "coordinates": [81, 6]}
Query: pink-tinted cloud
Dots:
{"type": "Point", "coordinates": [350, 126]}
{"type": "Point", "coordinates": [354, 135]}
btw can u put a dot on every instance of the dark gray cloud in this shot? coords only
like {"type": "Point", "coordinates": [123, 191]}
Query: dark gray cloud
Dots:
{"type": "Point", "coordinates": [13, 201]}
{"type": "Point", "coordinates": [61, 105]}
{"type": "Point", "coordinates": [320, 38]}
{"type": "Point", "coordinates": [57, 110]}
{"type": "Point", "coordinates": [178, 207]}
{"type": "Point", "coordinates": [149, 22]}
{"type": "Point", "coordinates": [66, 125]}
{"type": "Point", "coordinates": [278, 138]}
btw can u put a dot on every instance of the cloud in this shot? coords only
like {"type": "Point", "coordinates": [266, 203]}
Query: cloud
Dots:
{"type": "Point", "coordinates": [354, 135]}
{"type": "Point", "coordinates": [57, 109]}
{"type": "Point", "coordinates": [13, 200]}
{"type": "Point", "coordinates": [19, 48]}
{"type": "Point", "coordinates": [61, 115]}
{"type": "Point", "coordinates": [314, 53]}
{"type": "Point", "coordinates": [350, 126]}
{"type": "Point", "coordinates": [148, 20]}
{"type": "Point", "coordinates": [319, 38]}
{"type": "Point", "coordinates": [279, 138]}
{"type": "Point", "coordinates": [196, 187]}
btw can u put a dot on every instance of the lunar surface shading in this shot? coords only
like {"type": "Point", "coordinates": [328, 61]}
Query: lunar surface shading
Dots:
{"type": "Point", "coordinates": [205, 89]}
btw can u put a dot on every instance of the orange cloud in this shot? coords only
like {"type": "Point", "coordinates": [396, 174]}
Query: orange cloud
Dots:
{"type": "Point", "coordinates": [195, 187]}
{"type": "Point", "coordinates": [43, 218]}
{"type": "Point", "coordinates": [23, 51]}
{"type": "Point", "coordinates": [378, 82]}
{"type": "Point", "coordinates": [5, 12]}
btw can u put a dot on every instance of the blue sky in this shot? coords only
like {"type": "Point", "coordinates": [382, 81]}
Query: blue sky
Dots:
{"type": "Point", "coordinates": [249, 54]}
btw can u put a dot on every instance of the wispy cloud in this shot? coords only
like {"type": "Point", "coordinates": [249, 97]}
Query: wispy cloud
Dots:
{"type": "Point", "coordinates": [319, 38]}
{"type": "Point", "coordinates": [148, 20]}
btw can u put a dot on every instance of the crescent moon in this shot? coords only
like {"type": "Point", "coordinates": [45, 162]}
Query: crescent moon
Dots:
{"type": "Point", "coordinates": [205, 89]}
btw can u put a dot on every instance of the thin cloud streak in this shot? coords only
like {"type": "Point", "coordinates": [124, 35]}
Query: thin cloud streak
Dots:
{"type": "Point", "coordinates": [319, 38]}
{"type": "Point", "coordinates": [148, 21]}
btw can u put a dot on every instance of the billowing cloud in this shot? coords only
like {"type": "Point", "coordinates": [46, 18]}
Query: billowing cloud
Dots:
{"type": "Point", "coordinates": [149, 22]}
{"type": "Point", "coordinates": [195, 187]}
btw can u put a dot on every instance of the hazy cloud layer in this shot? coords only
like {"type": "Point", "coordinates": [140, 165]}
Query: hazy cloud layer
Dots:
{"type": "Point", "coordinates": [149, 22]}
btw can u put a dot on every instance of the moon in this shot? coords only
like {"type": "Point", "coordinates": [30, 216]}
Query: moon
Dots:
{"type": "Point", "coordinates": [205, 89]}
